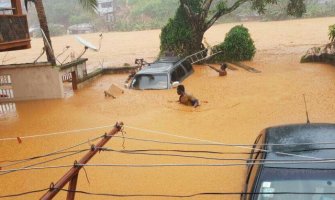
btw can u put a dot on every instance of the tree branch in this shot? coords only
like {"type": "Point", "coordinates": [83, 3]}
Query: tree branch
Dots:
{"type": "Point", "coordinates": [205, 9]}
{"type": "Point", "coordinates": [189, 12]}
{"type": "Point", "coordinates": [222, 12]}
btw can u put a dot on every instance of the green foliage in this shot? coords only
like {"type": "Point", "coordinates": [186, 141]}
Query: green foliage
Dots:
{"type": "Point", "coordinates": [177, 35]}
{"type": "Point", "coordinates": [237, 46]}
{"type": "Point", "coordinates": [141, 15]}
{"type": "Point", "coordinates": [296, 8]}
{"type": "Point", "coordinates": [331, 33]}
{"type": "Point", "coordinates": [89, 5]}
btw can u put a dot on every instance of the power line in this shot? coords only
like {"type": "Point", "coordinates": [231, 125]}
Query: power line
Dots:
{"type": "Point", "coordinates": [203, 165]}
{"type": "Point", "coordinates": [43, 162]}
{"type": "Point", "coordinates": [139, 152]}
{"type": "Point", "coordinates": [24, 159]}
{"type": "Point", "coordinates": [193, 195]}
{"type": "Point", "coordinates": [170, 165]}
{"type": "Point", "coordinates": [152, 131]}
{"type": "Point", "coordinates": [35, 168]}
{"type": "Point", "coordinates": [51, 153]}
{"type": "Point", "coordinates": [219, 144]}
{"type": "Point", "coordinates": [180, 151]}
{"type": "Point", "coordinates": [166, 195]}
{"type": "Point", "coordinates": [214, 142]}
{"type": "Point", "coordinates": [24, 193]}
{"type": "Point", "coordinates": [57, 133]}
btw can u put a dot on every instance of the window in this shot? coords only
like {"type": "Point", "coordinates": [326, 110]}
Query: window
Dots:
{"type": "Point", "coordinates": [6, 90]}
{"type": "Point", "coordinates": [290, 180]}
{"type": "Point", "coordinates": [148, 81]}
{"type": "Point", "coordinates": [106, 5]}
{"type": "Point", "coordinates": [180, 72]}
{"type": "Point", "coordinates": [174, 76]}
{"type": "Point", "coordinates": [187, 65]}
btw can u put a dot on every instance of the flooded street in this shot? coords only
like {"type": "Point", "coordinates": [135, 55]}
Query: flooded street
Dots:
{"type": "Point", "coordinates": [239, 106]}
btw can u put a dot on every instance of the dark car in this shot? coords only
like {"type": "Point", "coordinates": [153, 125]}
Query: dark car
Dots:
{"type": "Point", "coordinates": [164, 73]}
{"type": "Point", "coordinates": [292, 162]}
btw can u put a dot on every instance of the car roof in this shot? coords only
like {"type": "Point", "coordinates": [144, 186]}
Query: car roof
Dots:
{"type": "Point", "coordinates": [172, 59]}
{"type": "Point", "coordinates": [306, 136]}
{"type": "Point", "coordinates": [162, 65]}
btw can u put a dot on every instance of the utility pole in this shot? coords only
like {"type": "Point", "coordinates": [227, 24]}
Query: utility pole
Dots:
{"type": "Point", "coordinates": [71, 176]}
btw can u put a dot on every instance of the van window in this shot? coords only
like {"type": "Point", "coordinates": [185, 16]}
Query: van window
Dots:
{"type": "Point", "coordinates": [180, 72]}
{"type": "Point", "coordinates": [149, 81]}
{"type": "Point", "coordinates": [187, 65]}
{"type": "Point", "coordinates": [174, 76]}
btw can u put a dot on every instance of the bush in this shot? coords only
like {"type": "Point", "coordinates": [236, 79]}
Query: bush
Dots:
{"type": "Point", "coordinates": [237, 46]}
{"type": "Point", "coordinates": [331, 33]}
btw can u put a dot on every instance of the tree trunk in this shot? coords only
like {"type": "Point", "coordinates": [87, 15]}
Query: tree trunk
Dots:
{"type": "Point", "coordinates": [196, 44]}
{"type": "Point", "coordinates": [44, 26]}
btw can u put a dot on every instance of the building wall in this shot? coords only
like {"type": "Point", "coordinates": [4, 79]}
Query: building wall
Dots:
{"type": "Point", "coordinates": [29, 81]}
{"type": "Point", "coordinates": [105, 6]}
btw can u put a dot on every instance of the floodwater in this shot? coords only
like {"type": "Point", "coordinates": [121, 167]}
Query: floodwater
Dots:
{"type": "Point", "coordinates": [239, 106]}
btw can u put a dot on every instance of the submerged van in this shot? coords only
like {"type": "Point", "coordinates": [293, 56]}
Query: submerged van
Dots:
{"type": "Point", "coordinates": [165, 73]}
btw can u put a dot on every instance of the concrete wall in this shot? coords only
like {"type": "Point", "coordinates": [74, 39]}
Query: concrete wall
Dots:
{"type": "Point", "coordinates": [34, 81]}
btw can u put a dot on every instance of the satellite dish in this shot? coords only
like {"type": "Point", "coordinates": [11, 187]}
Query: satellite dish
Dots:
{"type": "Point", "coordinates": [86, 44]}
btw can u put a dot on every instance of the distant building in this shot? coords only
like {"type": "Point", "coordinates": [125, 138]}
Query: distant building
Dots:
{"type": "Point", "coordinates": [106, 9]}
{"type": "Point", "coordinates": [323, 1]}
{"type": "Point", "coordinates": [80, 28]}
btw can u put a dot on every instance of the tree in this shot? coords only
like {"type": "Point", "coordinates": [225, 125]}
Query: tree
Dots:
{"type": "Point", "coordinates": [195, 17]}
{"type": "Point", "coordinates": [88, 4]}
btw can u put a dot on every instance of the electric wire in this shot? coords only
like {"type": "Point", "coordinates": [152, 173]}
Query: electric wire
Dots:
{"type": "Point", "coordinates": [35, 168]}
{"type": "Point", "coordinates": [207, 142]}
{"type": "Point", "coordinates": [205, 165]}
{"type": "Point", "coordinates": [48, 161]}
{"type": "Point", "coordinates": [170, 165]}
{"type": "Point", "coordinates": [220, 144]}
{"type": "Point", "coordinates": [57, 133]}
{"type": "Point", "coordinates": [140, 152]}
{"type": "Point", "coordinates": [24, 193]}
{"type": "Point", "coordinates": [17, 160]}
{"type": "Point", "coordinates": [166, 195]}
{"type": "Point", "coordinates": [214, 142]}
{"type": "Point", "coordinates": [196, 194]}
{"type": "Point", "coordinates": [49, 154]}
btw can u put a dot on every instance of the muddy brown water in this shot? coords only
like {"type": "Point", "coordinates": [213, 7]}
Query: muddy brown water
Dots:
{"type": "Point", "coordinates": [239, 107]}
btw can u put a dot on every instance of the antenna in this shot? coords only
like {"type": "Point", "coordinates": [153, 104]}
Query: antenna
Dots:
{"type": "Point", "coordinates": [308, 122]}
{"type": "Point", "coordinates": [46, 46]}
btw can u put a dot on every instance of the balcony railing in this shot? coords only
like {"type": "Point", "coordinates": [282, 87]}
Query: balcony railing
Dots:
{"type": "Point", "coordinates": [14, 33]}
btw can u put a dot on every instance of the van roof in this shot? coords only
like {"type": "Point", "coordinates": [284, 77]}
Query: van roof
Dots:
{"type": "Point", "coordinates": [311, 142]}
{"type": "Point", "coordinates": [162, 65]}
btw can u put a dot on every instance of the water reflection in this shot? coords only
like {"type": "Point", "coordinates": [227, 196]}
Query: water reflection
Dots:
{"type": "Point", "coordinates": [7, 110]}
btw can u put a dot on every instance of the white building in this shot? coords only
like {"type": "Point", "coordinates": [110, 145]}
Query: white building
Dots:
{"type": "Point", "coordinates": [106, 8]}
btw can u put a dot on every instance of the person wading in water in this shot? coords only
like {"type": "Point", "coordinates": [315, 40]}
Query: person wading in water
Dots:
{"type": "Point", "coordinates": [185, 98]}
{"type": "Point", "coordinates": [222, 71]}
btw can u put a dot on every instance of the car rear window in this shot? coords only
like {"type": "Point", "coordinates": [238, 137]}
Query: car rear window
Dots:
{"type": "Point", "coordinates": [315, 182]}
{"type": "Point", "coordinates": [148, 81]}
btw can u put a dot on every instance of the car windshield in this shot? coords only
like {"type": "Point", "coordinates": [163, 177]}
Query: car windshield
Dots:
{"type": "Point", "coordinates": [149, 81]}
{"type": "Point", "coordinates": [319, 184]}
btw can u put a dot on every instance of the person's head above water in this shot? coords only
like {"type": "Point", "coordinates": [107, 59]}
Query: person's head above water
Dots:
{"type": "Point", "coordinates": [180, 89]}
{"type": "Point", "coordinates": [224, 66]}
